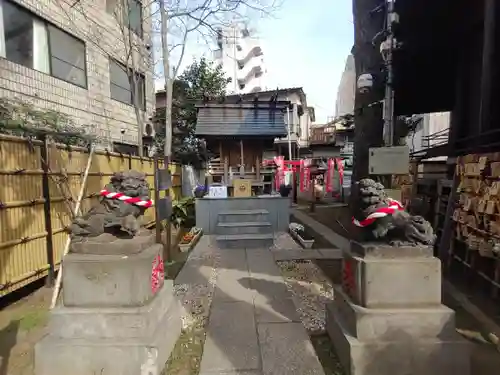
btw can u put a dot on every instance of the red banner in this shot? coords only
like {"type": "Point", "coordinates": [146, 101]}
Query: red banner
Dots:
{"type": "Point", "coordinates": [280, 175]}
{"type": "Point", "coordinates": [340, 167]}
{"type": "Point", "coordinates": [330, 172]}
{"type": "Point", "coordinates": [302, 182]}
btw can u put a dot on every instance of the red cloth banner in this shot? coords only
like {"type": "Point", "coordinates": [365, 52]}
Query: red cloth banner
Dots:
{"type": "Point", "coordinates": [302, 180]}
{"type": "Point", "coordinates": [340, 168]}
{"type": "Point", "coordinates": [280, 175]}
{"type": "Point", "coordinates": [307, 174]}
{"type": "Point", "coordinates": [330, 172]}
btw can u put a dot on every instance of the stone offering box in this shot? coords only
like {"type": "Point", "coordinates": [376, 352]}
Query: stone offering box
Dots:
{"type": "Point", "coordinates": [117, 317]}
{"type": "Point", "coordinates": [387, 317]}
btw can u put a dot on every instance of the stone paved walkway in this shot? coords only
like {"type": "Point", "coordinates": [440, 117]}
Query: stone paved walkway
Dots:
{"type": "Point", "coordinates": [254, 328]}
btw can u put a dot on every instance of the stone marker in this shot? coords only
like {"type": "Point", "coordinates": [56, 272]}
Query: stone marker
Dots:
{"type": "Point", "coordinates": [387, 317]}
{"type": "Point", "coordinates": [117, 315]}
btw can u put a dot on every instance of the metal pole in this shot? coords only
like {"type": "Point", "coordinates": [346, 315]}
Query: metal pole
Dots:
{"type": "Point", "coordinates": [389, 92]}
{"type": "Point", "coordinates": [289, 132]}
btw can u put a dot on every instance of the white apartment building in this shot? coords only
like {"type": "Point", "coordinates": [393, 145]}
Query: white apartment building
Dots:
{"type": "Point", "coordinates": [432, 131]}
{"type": "Point", "coordinates": [242, 59]}
{"type": "Point", "coordinates": [347, 89]}
{"type": "Point", "coordinates": [71, 57]}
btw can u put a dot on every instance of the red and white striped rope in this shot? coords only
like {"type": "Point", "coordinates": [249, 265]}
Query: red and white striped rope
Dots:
{"type": "Point", "coordinates": [394, 206]}
{"type": "Point", "coordinates": [124, 198]}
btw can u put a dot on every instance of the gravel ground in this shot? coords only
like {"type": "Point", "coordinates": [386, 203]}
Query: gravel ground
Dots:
{"type": "Point", "coordinates": [196, 300]}
{"type": "Point", "coordinates": [283, 241]}
{"type": "Point", "coordinates": [311, 291]}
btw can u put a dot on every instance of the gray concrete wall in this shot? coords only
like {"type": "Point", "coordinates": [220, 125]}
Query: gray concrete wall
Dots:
{"type": "Point", "coordinates": [207, 210]}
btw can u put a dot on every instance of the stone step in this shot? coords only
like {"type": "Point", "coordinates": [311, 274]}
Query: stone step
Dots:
{"type": "Point", "coordinates": [237, 216]}
{"type": "Point", "coordinates": [242, 241]}
{"type": "Point", "coordinates": [245, 227]}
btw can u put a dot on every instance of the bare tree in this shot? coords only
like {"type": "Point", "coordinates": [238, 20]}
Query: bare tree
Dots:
{"type": "Point", "coordinates": [137, 61]}
{"type": "Point", "coordinates": [181, 18]}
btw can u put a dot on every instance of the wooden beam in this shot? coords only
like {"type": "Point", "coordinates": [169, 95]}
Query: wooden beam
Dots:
{"type": "Point", "coordinates": [491, 8]}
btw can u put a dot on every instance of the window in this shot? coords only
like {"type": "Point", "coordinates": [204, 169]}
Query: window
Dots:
{"type": "Point", "coordinates": [129, 12]}
{"type": "Point", "coordinates": [122, 83]}
{"type": "Point", "coordinates": [30, 41]}
{"type": "Point", "coordinates": [67, 57]}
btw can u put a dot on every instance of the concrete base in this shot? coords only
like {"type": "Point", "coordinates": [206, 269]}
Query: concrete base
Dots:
{"type": "Point", "coordinates": [112, 341]}
{"type": "Point", "coordinates": [402, 353]}
{"type": "Point", "coordinates": [92, 280]}
{"type": "Point", "coordinates": [387, 318]}
{"type": "Point", "coordinates": [267, 208]}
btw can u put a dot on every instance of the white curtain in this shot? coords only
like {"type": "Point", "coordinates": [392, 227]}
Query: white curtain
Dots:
{"type": "Point", "coordinates": [40, 47]}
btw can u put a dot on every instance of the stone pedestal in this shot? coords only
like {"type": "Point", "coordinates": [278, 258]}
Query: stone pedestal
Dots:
{"type": "Point", "coordinates": [387, 317]}
{"type": "Point", "coordinates": [112, 319]}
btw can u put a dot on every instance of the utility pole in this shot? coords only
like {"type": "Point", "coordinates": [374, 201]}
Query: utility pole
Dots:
{"type": "Point", "coordinates": [388, 44]}
{"type": "Point", "coordinates": [368, 118]}
{"type": "Point", "coordinates": [289, 126]}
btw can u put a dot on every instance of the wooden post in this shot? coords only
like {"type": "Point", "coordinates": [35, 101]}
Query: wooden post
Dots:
{"type": "Point", "coordinates": [488, 63]}
{"type": "Point", "coordinates": [257, 169]}
{"type": "Point", "coordinates": [168, 227]}
{"type": "Point", "coordinates": [44, 151]}
{"type": "Point", "coordinates": [242, 160]}
{"type": "Point", "coordinates": [226, 171]}
{"type": "Point", "coordinates": [158, 225]}
{"type": "Point", "coordinates": [312, 208]}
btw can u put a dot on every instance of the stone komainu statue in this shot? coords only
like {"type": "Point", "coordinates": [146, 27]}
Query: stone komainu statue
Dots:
{"type": "Point", "coordinates": [115, 216]}
{"type": "Point", "coordinates": [397, 227]}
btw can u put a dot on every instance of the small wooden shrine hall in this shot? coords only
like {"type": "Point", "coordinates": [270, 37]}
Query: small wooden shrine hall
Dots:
{"type": "Point", "coordinates": [239, 132]}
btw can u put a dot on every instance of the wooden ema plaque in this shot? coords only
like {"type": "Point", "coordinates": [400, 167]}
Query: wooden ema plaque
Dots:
{"type": "Point", "coordinates": [242, 188]}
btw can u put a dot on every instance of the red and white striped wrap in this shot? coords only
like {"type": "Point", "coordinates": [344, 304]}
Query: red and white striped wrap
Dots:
{"type": "Point", "coordinates": [124, 198]}
{"type": "Point", "coordinates": [394, 206]}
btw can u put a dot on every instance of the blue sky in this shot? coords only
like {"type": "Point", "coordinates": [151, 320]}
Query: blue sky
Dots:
{"type": "Point", "coordinates": [305, 44]}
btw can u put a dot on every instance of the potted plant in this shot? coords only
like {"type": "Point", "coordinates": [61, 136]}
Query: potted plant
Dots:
{"type": "Point", "coordinates": [183, 216]}
{"type": "Point", "coordinates": [183, 213]}
{"type": "Point", "coordinates": [299, 233]}
{"type": "Point", "coordinates": [199, 191]}
{"type": "Point", "coordinates": [190, 239]}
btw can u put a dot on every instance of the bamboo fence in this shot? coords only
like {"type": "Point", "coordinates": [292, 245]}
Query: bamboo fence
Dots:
{"type": "Point", "coordinates": [37, 198]}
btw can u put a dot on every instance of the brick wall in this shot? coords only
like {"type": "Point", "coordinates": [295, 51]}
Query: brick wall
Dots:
{"type": "Point", "coordinates": [92, 107]}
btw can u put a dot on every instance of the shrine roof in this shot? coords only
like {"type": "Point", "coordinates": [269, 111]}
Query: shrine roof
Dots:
{"type": "Point", "coordinates": [245, 119]}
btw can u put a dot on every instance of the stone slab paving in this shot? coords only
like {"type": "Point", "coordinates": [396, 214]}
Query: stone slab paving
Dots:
{"type": "Point", "coordinates": [307, 254]}
{"type": "Point", "coordinates": [287, 350]}
{"type": "Point", "coordinates": [254, 328]}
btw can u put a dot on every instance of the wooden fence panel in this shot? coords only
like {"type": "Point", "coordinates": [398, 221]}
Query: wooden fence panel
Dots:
{"type": "Point", "coordinates": [23, 231]}
{"type": "Point", "coordinates": [23, 257]}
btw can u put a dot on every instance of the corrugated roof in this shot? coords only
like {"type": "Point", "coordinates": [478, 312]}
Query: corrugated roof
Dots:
{"type": "Point", "coordinates": [240, 120]}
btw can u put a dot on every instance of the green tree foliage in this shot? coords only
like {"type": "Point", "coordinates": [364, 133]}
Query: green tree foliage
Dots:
{"type": "Point", "coordinates": [202, 79]}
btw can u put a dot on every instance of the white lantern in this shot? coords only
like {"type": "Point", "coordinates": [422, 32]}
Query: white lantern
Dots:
{"type": "Point", "coordinates": [365, 83]}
